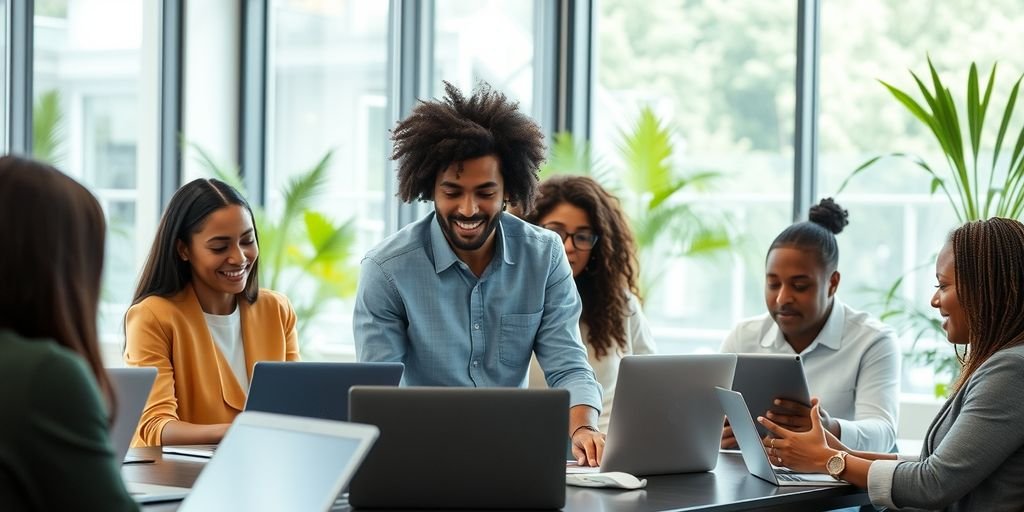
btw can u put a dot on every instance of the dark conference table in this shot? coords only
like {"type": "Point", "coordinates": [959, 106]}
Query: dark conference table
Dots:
{"type": "Point", "coordinates": [729, 487]}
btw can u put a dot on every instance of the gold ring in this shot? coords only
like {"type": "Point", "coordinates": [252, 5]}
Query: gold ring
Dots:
{"type": "Point", "coordinates": [773, 443]}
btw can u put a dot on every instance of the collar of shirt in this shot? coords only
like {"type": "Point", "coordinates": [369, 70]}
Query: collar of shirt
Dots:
{"type": "Point", "coordinates": [445, 257]}
{"type": "Point", "coordinates": [831, 334]}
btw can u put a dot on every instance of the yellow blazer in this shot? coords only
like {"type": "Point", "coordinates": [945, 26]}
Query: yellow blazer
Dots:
{"type": "Point", "coordinates": [194, 381]}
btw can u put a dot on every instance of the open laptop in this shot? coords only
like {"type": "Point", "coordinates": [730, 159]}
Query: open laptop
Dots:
{"type": "Point", "coordinates": [761, 378]}
{"type": "Point", "coordinates": [131, 387]}
{"type": "Point", "coordinates": [278, 462]}
{"type": "Point", "coordinates": [665, 416]}
{"type": "Point", "coordinates": [459, 448]}
{"type": "Point", "coordinates": [753, 452]}
{"type": "Point", "coordinates": [314, 390]}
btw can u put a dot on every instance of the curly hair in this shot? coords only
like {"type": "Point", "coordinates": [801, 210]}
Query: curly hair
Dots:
{"type": "Point", "coordinates": [612, 267]}
{"type": "Point", "coordinates": [989, 266]}
{"type": "Point", "coordinates": [455, 129]}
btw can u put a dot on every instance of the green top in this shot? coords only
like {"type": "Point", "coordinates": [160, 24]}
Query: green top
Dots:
{"type": "Point", "coordinates": [55, 451]}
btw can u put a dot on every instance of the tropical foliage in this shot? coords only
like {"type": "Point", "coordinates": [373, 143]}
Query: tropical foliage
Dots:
{"type": "Point", "coordinates": [652, 190]}
{"type": "Point", "coordinates": [977, 185]}
{"type": "Point", "coordinates": [303, 253]}
{"type": "Point", "coordinates": [48, 128]}
{"type": "Point", "coordinates": [975, 190]}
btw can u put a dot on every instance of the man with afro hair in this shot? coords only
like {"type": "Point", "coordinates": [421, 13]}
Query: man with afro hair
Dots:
{"type": "Point", "coordinates": [467, 294]}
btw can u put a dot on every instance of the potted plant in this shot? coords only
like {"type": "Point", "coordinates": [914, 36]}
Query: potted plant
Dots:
{"type": "Point", "coordinates": [976, 185]}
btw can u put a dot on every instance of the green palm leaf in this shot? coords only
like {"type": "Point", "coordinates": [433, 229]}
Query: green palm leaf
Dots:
{"type": "Point", "coordinates": [48, 128]}
{"type": "Point", "coordinates": [300, 247]}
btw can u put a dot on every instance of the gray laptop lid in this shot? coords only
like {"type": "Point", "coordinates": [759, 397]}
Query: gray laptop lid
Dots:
{"type": "Point", "coordinates": [761, 378]}
{"type": "Point", "coordinates": [665, 416]}
{"type": "Point", "coordinates": [279, 462]}
{"type": "Point", "coordinates": [315, 390]}
{"type": "Point", "coordinates": [462, 448]}
{"type": "Point", "coordinates": [753, 452]}
{"type": "Point", "coordinates": [131, 387]}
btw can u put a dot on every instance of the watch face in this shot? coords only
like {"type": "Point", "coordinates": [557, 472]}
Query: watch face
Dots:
{"type": "Point", "coordinates": [835, 465]}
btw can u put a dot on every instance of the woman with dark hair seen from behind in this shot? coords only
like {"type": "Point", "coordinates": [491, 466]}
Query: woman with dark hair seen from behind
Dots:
{"type": "Point", "coordinates": [55, 450]}
{"type": "Point", "coordinates": [602, 254]}
{"type": "Point", "coordinates": [851, 360]}
{"type": "Point", "coordinates": [973, 453]}
{"type": "Point", "coordinates": [201, 319]}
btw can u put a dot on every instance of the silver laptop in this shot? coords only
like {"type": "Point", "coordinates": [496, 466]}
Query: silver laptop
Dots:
{"type": "Point", "coordinates": [131, 387]}
{"type": "Point", "coordinates": [277, 462]}
{"type": "Point", "coordinates": [761, 378]}
{"type": "Point", "coordinates": [754, 456]}
{"type": "Point", "coordinates": [462, 448]}
{"type": "Point", "coordinates": [665, 416]}
{"type": "Point", "coordinates": [314, 390]}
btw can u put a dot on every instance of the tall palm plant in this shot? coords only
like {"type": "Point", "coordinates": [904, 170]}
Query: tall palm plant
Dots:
{"type": "Point", "coordinates": [652, 191]}
{"type": "Point", "coordinates": [304, 253]}
{"type": "Point", "coordinates": [975, 188]}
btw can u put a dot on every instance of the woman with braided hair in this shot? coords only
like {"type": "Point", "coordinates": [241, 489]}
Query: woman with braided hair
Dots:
{"type": "Point", "coordinates": [851, 360]}
{"type": "Point", "coordinates": [973, 453]}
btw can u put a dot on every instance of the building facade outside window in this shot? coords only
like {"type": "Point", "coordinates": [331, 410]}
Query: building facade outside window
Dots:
{"type": "Point", "coordinates": [94, 117]}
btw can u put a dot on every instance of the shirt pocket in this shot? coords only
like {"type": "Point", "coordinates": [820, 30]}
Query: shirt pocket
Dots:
{"type": "Point", "coordinates": [515, 344]}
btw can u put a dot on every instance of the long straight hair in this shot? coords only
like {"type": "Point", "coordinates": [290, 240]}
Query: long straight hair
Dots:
{"type": "Point", "coordinates": [165, 273]}
{"type": "Point", "coordinates": [54, 232]}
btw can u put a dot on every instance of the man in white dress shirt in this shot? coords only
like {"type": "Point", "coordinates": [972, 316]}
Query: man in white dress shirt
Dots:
{"type": "Point", "coordinates": [851, 361]}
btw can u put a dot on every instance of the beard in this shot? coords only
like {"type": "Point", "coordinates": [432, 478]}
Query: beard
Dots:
{"type": "Point", "coordinates": [461, 243]}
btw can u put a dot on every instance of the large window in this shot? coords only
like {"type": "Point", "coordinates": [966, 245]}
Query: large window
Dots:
{"type": "Point", "coordinates": [490, 41]}
{"type": "Point", "coordinates": [328, 92]}
{"type": "Point", "coordinates": [720, 77]}
{"type": "Point", "coordinates": [895, 224]}
{"type": "Point", "coordinates": [3, 76]}
{"type": "Point", "coordinates": [94, 118]}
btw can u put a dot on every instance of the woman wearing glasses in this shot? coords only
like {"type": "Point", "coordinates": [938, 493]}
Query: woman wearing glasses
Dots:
{"type": "Point", "coordinates": [602, 254]}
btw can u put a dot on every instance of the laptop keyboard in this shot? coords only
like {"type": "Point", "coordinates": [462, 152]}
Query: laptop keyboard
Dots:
{"type": "Point", "coordinates": [786, 477]}
{"type": "Point", "coordinates": [341, 503]}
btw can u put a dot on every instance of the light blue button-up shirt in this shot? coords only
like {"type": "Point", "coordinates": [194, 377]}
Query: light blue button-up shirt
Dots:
{"type": "Point", "coordinates": [419, 304]}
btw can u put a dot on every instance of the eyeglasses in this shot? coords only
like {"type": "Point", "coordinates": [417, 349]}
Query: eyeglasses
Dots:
{"type": "Point", "coordinates": [581, 240]}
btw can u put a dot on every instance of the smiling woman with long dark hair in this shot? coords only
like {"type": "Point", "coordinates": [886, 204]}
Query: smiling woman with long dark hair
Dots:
{"type": "Point", "coordinates": [200, 317]}
{"type": "Point", "coordinates": [55, 451]}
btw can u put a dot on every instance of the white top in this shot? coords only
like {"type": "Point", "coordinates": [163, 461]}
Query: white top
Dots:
{"type": "Point", "coordinates": [226, 331]}
{"type": "Point", "coordinates": [639, 340]}
{"type": "Point", "coordinates": [853, 367]}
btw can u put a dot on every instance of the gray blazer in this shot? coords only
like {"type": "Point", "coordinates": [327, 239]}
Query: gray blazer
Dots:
{"type": "Point", "coordinates": [973, 454]}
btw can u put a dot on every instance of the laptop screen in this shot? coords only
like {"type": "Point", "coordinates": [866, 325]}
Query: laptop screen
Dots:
{"type": "Point", "coordinates": [266, 468]}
